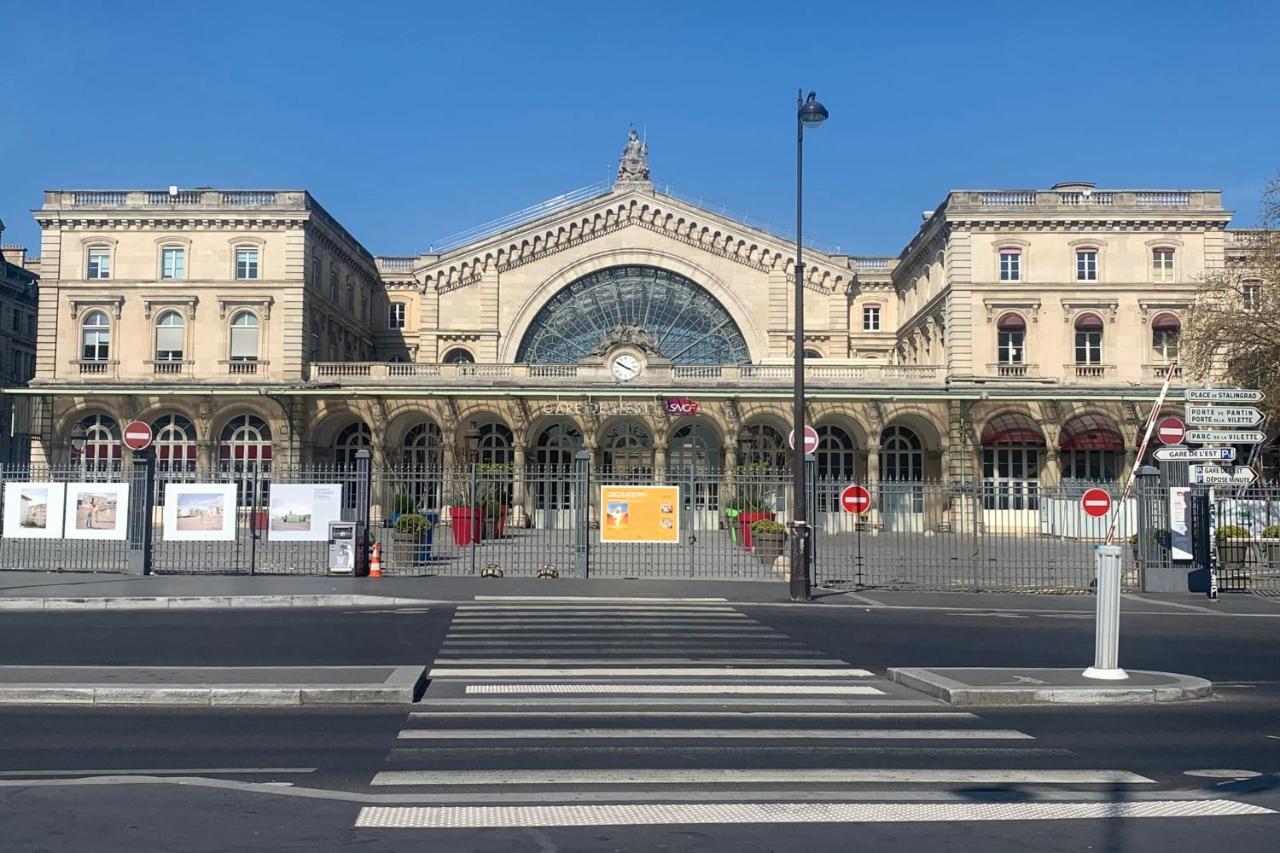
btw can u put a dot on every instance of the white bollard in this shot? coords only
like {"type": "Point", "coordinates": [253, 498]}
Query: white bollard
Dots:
{"type": "Point", "coordinates": [1106, 638]}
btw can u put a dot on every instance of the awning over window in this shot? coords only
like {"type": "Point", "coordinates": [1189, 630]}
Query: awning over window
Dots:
{"type": "Point", "coordinates": [1012, 428]}
{"type": "Point", "coordinates": [1090, 432]}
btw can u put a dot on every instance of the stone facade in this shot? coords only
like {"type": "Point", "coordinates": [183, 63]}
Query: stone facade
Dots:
{"type": "Point", "coordinates": [17, 349]}
{"type": "Point", "coordinates": [1020, 337]}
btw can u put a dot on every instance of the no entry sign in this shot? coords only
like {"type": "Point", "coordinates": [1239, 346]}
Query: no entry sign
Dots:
{"type": "Point", "coordinates": [855, 499]}
{"type": "Point", "coordinates": [1096, 503]}
{"type": "Point", "coordinates": [1170, 430]}
{"type": "Point", "coordinates": [810, 439]}
{"type": "Point", "coordinates": [137, 435]}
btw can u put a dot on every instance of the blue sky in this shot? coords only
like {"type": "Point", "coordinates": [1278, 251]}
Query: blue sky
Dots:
{"type": "Point", "coordinates": [411, 121]}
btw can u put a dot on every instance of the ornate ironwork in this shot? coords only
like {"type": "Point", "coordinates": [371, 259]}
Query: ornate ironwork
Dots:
{"type": "Point", "coordinates": [683, 321]}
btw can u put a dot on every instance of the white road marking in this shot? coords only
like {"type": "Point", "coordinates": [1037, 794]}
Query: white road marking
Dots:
{"type": "Point", "coordinates": [1222, 773]}
{"type": "Point", "coordinates": [643, 672]}
{"type": "Point", "coordinates": [556, 609]}
{"type": "Point", "coordinates": [685, 689]}
{"type": "Point", "coordinates": [596, 598]}
{"type": "Point", "coordinates": [537, 702]}
{"type": "Point", "coordinates": [726, 734]}
{"type": "Point", "coordinates": [734, 776]}
{"type": "Point", "coordinates": [666, 629]}
{"type": "Point", "coordinates": [167, 771]}
{"type": "Point", "coordinates": [703, 715]}
{"type": "Point", "coordinates": [743, 661]}
{"type": "Point", "coordinates": [472, 817]}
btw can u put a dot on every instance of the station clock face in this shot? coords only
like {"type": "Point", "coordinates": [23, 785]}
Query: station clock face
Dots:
{"type": "Point", "coordinates": [625, 367]}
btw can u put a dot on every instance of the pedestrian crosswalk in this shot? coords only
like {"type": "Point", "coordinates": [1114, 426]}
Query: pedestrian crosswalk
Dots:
{"type": "Point", "coordinates": [533, 704]}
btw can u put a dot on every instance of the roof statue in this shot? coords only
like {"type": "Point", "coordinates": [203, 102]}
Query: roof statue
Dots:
{"type": "Point", "coordinates": [633, 166]}
{"type": "Point", "coordinates": [628, 335]}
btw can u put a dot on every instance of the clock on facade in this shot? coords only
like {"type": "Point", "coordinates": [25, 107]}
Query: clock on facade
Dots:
{"type": "Point", "coordinates": [625, 367]}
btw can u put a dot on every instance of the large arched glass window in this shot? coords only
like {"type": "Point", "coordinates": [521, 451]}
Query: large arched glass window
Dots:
{"type": "Point", "coordinates": [763, 446]}
{"type": "Point", "coordinates": [244, 455]}
{"type": "Point", "coordinates": [102, 452]}
{"type": "Point", "coordinates": [1011, 448]}
{"type": "Point", "coordinates": [695, 449]}
{"type": "Point", "coordinates": [244, 336]}
{"type": "Point", "coordinates": [95, 337]}
{"type": "Point", "coordinates": [458, 355]}
{"type": "Point", "coordinates": [835, 456]}
{"type": "Point", "coordinates": [175, 444]}
{"type": "Point", "coordinates": [350, 441]}
{"type": "Point", "coordinates": [685, 322]}
{"type": "Point", "coordinates": [420, 460]}
{"type": "Point", "coordinates": [1011, 340]}
{"type": "Point", "coordinates": [170, 342]}
{"type": "Point", "coordinates": [1166, 330]}
{"type": "Point", "coordinates": [901, 455]}
{"type": "Point", "coordinates": [549, 469]}
{"type": "Point", "coordinates": [627, 453]}
{"type": "Point", "coordinates": [495, 447]}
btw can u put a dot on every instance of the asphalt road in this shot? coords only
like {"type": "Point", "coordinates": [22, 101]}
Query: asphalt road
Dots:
{"type": "Point", "coordinates": [295, 779]}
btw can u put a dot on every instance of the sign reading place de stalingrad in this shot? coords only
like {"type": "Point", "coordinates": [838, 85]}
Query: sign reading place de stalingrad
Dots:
{"type": "Point", "coordinates": [1222, 395]}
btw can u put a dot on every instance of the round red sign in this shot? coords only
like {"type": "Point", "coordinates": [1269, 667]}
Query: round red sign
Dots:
{"type": "Point", "coordinates": [1096, 503]}
{"type": "Point", "coordinates": [137, 435]}
{"type": "Point", "coordinates": [855, 499]}
{"type": "Point", "coordinates": [1171, 430]}
{"type": "Point", "coordinates": [810, 439]}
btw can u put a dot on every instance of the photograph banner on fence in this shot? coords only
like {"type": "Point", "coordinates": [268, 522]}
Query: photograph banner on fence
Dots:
{"type": "Point", "coordinates": [200, 512]}
{"type": "Point", "coordinates": [1179, 524]}
{"type": "Point", "coordinates": [302, 512]}
{"type": "Point", "coordinates": [97, 510]}
{"type": "Point", "coordinates": [640, 514]}
{"type": "Point", "coordinates": [33, 510]}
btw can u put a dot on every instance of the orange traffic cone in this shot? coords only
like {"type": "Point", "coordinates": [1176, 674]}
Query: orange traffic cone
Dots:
{"type": "Point", "coordinates": [375, 561]}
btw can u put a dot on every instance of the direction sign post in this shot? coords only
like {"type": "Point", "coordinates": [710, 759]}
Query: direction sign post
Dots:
{"type": "Point", "coordinates": [1228, 416]}
{"type": "Point", "coordinates": [1186, 454]}
{"type": "Point", "coordinates": [1213, 475]}
{"type": "Point", "coordinates": [1237, 436]}
{"type": "Point", "coordinates": [137, 435]}
{"type": "Point", "coordinates": [1222, 395]}
{"type": "Point", "coordinates": [1096, 503]}
{"type": "Point", "coordinates": [855, 499]}
{"type": "Point", "coordinates": [1170, 430]}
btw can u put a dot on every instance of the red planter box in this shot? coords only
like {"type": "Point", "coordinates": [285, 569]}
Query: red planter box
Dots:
{"type": "Point", "coordinates": [744, 526]}
{"type": "Point", "coordinates": [468, 524]}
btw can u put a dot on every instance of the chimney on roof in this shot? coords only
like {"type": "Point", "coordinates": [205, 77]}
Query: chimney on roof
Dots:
{"type": "Point", "coordinates": [16, 255]}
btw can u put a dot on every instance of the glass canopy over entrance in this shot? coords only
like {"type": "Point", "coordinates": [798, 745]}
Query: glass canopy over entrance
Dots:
{"type": "Point", "coordinates": [688, 324]}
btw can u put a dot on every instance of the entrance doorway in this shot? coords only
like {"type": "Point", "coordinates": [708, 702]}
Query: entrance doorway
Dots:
{"type": "Point", "coordinates": [551, 475]}
{"type": "Point", "coordinates": [695, 466]}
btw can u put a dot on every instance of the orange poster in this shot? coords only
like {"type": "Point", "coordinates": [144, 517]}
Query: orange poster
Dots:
{"type": "Point", "coordinates": [640, 514]}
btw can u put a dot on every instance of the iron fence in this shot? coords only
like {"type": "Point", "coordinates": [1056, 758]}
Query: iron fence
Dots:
{"type": "Point", "coordinates": [546, 519]}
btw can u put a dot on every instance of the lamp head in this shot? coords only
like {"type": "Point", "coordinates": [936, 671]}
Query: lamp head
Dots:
{"type": "Point", "coordinates": [813, 113]}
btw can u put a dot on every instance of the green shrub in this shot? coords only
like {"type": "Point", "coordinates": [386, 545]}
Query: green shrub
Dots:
{"type": "Point", "coordinates": [402, 503]}
{"type": "Point", "coordinates": [1271, 532]}
{"type": "Point", "coordinates": [413, 524]}
{"type": "Point", "coordinates": [1160, 536]}
{"type": "Point", "coordinates": [767, 526]}
{"type": "Point", "coordinates": [1231, 531]}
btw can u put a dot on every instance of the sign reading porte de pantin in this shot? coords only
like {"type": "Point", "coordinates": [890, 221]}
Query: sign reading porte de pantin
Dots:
{"type": "Point", "coordinates": [640, 514]}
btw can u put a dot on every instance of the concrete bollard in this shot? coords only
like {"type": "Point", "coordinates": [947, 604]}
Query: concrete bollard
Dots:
{"type": "Point", "coordinates": [1106, 640]}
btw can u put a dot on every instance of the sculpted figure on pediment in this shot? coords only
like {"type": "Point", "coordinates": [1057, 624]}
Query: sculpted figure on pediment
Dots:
{"type": "Point", "coordinates": [633, 166]}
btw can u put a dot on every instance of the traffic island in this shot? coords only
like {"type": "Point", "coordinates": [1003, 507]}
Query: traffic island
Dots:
{"type": "Point", "coordinates": [996, 686]}
{"type": "Point", "coordinates": [214, 686]}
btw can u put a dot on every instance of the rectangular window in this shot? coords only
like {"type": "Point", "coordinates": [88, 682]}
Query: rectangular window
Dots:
{"type": "Point", "coordinates": [169, 343]}
{"type": "Point", "coordinates": [1249, 293]}
{"type": "Point", "coordinates": [871, 318]}
{"type": "Point", "coordinates": [1010, 265]}
{"type": "Point", "coordinates": [1088, 347]}
{"type": "Point", "coordinates": [1087, 265]}
{"type": "Point", "coordinates": [396, 315]}
{"type": "Point", "coordinates": [1165, 344]}
{"type": "Point", "coordinates": [351, 297]}
{"type": "Point", "coordinates": [333, 285]}
{"type": "Point", "coordinates": [315, 271]}
{"type": "Point", "coordinates": [364, 306]}
{"type": "Point", "coordinates": [15, 320]}
{"type": "Point", "coordinates": [173, 263]}
{"type": "Point", "coordinates": [244, 343]}
{"type": "Point", "coordinates": [1011, 346]}
{"type": "Point", "coordinates": [246, 263]}
{"type": "Point", "coordinates": [31, 324]}
{"type": "Point", "coordinates": [99, 263]}
{"type": "Point", "coordinates": [1162, 266]}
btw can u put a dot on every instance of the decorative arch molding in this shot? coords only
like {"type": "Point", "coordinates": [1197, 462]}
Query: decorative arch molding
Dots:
{"type": "Point", "coordinates": [1073, 308]}
{"type": "Point", "coordinates": [730, 300]}
{"type": "Point", "coordinates": [270, 415]}
{"type": "Point", "coordinates": [705, 232]}
{"type": "Point", "coordinates": [1157, 242]}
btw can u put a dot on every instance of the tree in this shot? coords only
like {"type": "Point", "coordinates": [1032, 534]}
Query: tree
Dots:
{"type": "Point", "coordinates": [1232, 331]}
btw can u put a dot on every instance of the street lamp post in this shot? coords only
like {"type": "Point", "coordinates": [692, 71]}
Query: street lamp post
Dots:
{"type": "Point", "coordinates": [809, 113]}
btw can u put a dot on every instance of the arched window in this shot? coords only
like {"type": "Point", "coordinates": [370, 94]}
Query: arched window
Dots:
{"type": "Point", "coordinates": [1165, 332]}
{"type": "Point", "coordinates": [835, 454]}
{"type": "Point", "coordinates": [349, 442]}
{"type": "Point", "coordinates": [1011, 340]}
{"type": "Point", "coordinates": [1162, 265]}
{"type": "Point", "coordinates": [556, 447]}
{"type": "Point", "coordinates": [764, 446]}
{"type": "Point", "coordinates": [170, 341]}
{"type": "Point", "coordinates": [102, 451]}
{"type": "Point", "coordinates": [695, 449]}
{"type": "Point", "coordinates": [1091, 449]}
{"type": "Point", "coordinates": [1088, 339]}
{"type": "Point", "coordinates": [244, 455]}
{"type": "Point", "coordinates": [95, 337]}
{"type": "Point", "coordinates": [421, 459]}
{"type": "Point", "coordinates": [244, 336]}
{"type": "Point", "coordinates": [1011, 448]}
{"type": "Point", "coordinates": [627, 453]}
{"type": "Point", "coordinates": [495, 444]}
{"type": "Point", "coordinates": [175, 444]}
{"type": "Point", "coordinates": [901, 455]}
{"type": "Point", "coordinates": [458, 355]}
{"type": "Point", "coordinates": [552, 461]}
{"type": "Point", "coordinates": [812, 353]}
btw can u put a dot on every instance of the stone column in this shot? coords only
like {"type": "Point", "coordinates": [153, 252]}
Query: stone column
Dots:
{"type": "Point", "coordinates": [1051, 471]}
{"type": "Point", "coordinates": [659, 463]}
{"type": "Point", "coordinates": [380, 492]}
{"type": "Point", "coordinates": [1130, 461]}
{"type": "Point", "coordinates": [520, 508]}
{"type": "Point", "coordinates": [873, 483]}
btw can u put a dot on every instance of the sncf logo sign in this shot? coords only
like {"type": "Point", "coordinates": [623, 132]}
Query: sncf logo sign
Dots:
{"type": "Point", "coordinates": [682, 406]}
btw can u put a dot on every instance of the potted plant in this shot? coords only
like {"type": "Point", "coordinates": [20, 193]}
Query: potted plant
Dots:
{"type": "Point", "coordinates": [464, 516]}
{"type": "Point", "coordinates": [770, 538]}
{"type": "Point", "coordinates": [1133, 546]}
{"type": "Point", "coordinates": [1233, 544]}
{"type": "Point", "coordinates": [1272, 532]}
{"type": "Point", "coordinates": [494, 491]}
{"type": "Point", "coordinates": [412, 537]}
{"type": "Point", "coordinates": [752, 507]}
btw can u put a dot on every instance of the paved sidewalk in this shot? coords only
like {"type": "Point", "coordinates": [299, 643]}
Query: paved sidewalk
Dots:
{"type": "Point", "coordinates": [71, 591]}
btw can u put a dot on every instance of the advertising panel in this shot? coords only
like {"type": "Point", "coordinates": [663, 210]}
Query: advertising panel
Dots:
{"type": "Point", "coordinates": [301, 512]}
{"type": "Point", "coordinates": [33, 510]}
{"type": "Point", "coordinates": [97, 510]}
{"type": "Point", "coordinates": [640, 514]}
{"type": "Point", "coordinates": [200, 512]}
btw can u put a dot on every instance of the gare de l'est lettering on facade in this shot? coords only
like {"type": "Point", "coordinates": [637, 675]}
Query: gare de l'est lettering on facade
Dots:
{"type": "Point", "coordinates": [1018, 339]}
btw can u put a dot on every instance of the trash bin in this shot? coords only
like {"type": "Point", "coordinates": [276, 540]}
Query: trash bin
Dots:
{"type": "Point", "coordinates": [347, 549]}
